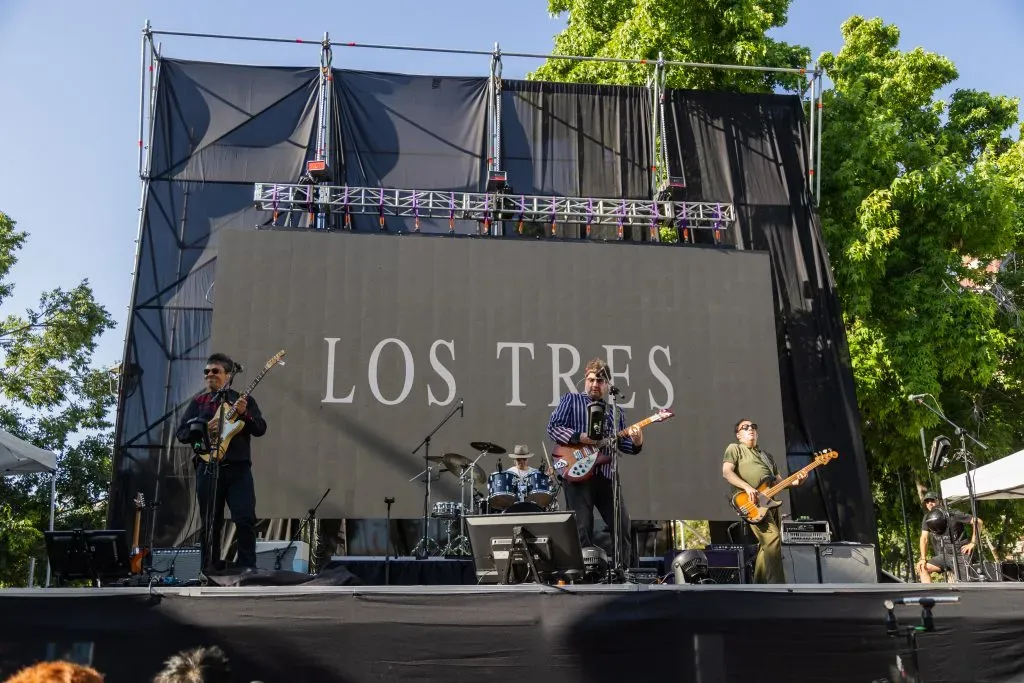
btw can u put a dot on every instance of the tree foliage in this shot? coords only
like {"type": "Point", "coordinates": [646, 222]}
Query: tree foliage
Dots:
{"type": "Point", "coordinates": [920, 208]}
{"type": "Point", "coordinates": [695, 31]}
{"type": "Point", "coordinates": [55, 399]}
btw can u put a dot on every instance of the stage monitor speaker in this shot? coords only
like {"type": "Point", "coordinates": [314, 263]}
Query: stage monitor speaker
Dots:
{"type": "Point", "coordinates": [176, 565]}
{"type": "Point", "coordinates": [829, 563]}
{"type": "Point", "coordinates": [295, 560]}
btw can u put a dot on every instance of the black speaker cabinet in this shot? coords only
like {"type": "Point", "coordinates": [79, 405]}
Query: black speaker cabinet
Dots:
{"type": "Point", "coordinates": [829, 563]}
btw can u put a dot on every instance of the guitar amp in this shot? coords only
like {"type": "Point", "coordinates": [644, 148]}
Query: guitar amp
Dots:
{"type": "Point", "coordinates": [810, 532]}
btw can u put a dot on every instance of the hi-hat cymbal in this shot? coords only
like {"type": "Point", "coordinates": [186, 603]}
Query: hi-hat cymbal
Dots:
{"type": "Point", "coordinates": [487, 446]}
{"type": "Point", "coordinates": [457, 463]}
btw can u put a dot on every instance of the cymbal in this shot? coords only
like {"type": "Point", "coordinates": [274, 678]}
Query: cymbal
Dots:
{"type": "Point", "coordinates": [456, 463]}
{"type": "Point", "coordinates": [492, 448]}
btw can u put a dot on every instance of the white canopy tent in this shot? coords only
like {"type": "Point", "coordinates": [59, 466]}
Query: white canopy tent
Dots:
{"type": "Point", "coordinates": [18, 457]}
{"type": "Point", "coordinates": [999, 480]}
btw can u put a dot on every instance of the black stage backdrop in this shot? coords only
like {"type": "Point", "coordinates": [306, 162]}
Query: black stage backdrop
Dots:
{"type": "Point", "coordinates": [751, 150]}
{"type": "Point", "coordinates": [385, 334]}
{"type": "Point", "coordinates": [516, 635]}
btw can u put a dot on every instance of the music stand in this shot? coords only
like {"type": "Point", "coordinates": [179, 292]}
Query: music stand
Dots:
{"type": "Point", "coordinates": [545, 544]}
{"type": "Point", "coordinates": [96, 555]}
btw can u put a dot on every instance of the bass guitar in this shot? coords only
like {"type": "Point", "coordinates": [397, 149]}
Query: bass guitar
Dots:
{"type": "Point", "coordinates": [754, 511]}
{"type": "Point", "coordinates": [233, 422]}
{"type": "Point", "coordinates": [580, 463]}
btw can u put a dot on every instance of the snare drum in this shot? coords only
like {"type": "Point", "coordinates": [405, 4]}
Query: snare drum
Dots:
{"type": "Point", "coordinates": [447, 509]}
{"type": "Point", "coordinates": [502, 490]}
{"type": "Point", "coordinates": [539, 488]}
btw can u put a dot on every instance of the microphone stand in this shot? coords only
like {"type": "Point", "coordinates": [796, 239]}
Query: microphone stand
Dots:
{"type": "Point", "coordinates": [310, 514]}
{"type": "Point", "coordinates": [422, 550]}
{"type": "Point", "coordinates": [964, 455]}
{"type": "Point", "coordinates": [618, 570]}
{"type": "Point", "coordinates": [213, 484]}
{"type": "Point", "coordinates": [387, 543]}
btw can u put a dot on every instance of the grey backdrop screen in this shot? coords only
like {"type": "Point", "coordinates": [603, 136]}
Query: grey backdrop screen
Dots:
{"type": "Point", "coordinates": [386, 334]}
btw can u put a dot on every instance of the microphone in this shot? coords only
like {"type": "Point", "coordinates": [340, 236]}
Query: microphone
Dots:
{"type": "Point", "coordinates": [462, 410]}
{"type": "Point", "coordinates": [917, 397]}
{"type": "Point", "coordinates": [595, 421]}
{"type": "Point", "coordinates": [543, 467]}
{"type": "Point", "coordinates": [238, 368]}
{"type": "Point", "coordinates": [615, 391]}
{"type": "Point", "coordinates": [499, 465]}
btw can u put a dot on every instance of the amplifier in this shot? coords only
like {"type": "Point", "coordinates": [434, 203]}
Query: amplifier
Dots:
{"type": "Point", "coordinates": [182, 564]}
{"type": "Point", "coordinates": [805, 532]}
{"type": "Point", "coordinates": [829, 563]}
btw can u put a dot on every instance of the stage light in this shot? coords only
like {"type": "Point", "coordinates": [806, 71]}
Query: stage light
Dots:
{"type": "Point", "coordinates": [691, 566]}
{"type": "Point", "coordinates": [497, 181]}
{"type": "Point", "coordinates": [595, 563]}
{"type": "Point", "coordinates": [318, 170]}
{"type": "Point", "coordinates": [673, 189]}
{"type": "Point", "coordinates": [937, 457]}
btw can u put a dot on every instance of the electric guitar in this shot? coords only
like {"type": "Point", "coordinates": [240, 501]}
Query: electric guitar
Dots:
{"type": "Point", "coordinates": [580, 463]}
{"type": "Point", "coordinates": [754, 511]}
{"type": "Point", "coordinates": [138, 552]}
{"type": "Point", "coordinates": [233, 422]}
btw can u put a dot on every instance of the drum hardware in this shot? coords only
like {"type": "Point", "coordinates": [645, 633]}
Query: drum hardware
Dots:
{"type": "Point", "coordinates": [422, 549]}
{"type": "Point", "coordinates": [470, 475]}
{"type": "Point", "coordinates": [427, 546]}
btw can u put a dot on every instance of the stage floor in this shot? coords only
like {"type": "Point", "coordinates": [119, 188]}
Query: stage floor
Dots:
{"type": "Point", "coordinates": [580, 633]}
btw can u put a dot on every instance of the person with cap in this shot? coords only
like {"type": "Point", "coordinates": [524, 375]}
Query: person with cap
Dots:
{"type": "Point", "coordinates": [947, 531]}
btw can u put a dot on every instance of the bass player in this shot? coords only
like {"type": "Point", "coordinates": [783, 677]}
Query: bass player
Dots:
{"type": "Point", "coordinates": [568, 426]}
{"type": "Point", "coordinates": [745, 465]}
{"type": "Point", "coordinates": [230, 480]}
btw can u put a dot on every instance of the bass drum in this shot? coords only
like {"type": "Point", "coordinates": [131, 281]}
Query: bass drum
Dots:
{"type": "Point", "coordinates": [524, 506]}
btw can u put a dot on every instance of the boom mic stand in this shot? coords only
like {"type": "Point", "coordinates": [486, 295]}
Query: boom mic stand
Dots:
{"type": "Point", "coordinates": [310, 514]}
{"type": "Point", "coordinates": [617, 568]}
{"type": "Point", "coordinates": [422, 549]}
{"type": "Point", "coordinates": [964, 455]}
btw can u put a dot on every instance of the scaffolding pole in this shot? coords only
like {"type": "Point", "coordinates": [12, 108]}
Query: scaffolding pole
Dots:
{"type": "Point", "coordinates": [821, 115]}
{"type": "Point", "coordinates": [323, 134]}
{"type": "Point", "coordinates": [811, 132]}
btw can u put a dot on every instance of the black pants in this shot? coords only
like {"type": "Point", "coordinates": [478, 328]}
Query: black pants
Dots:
{"type": "Point", "coordinates": [235, 487]}
{"type": "Point", "coordinates": [598, 491]}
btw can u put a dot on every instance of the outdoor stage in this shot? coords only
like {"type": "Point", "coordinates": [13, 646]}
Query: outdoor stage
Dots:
{"type": "Point", "coordinates": [523, 633]}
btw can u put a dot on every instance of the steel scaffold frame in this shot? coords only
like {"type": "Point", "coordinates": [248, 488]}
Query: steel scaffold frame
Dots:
{"type": "Point", "coordinates": [695, 215]}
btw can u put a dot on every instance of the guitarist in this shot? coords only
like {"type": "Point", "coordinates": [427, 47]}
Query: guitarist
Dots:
{"type": "Point", "coordinates": [229, 481]}
{"type": "Point", "coordinates": [568, 427]}
{"type": "Point", "coordinates": [746, 466]}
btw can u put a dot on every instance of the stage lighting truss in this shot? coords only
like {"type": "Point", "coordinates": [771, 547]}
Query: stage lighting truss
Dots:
{"type": "Point", "coordinates": [491, 207]}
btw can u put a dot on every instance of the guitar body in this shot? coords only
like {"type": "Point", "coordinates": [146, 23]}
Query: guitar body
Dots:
{"type": "Point", "coordinates": [580, 463]}
{"type": "Point", "coordinates": [139, 553]}
{"type": "Point", "coordinates": [754, 510]}
{"type": "Point", "coordinates": [233, 426]}
{"type": "Point", "coordinates": [137, 559]}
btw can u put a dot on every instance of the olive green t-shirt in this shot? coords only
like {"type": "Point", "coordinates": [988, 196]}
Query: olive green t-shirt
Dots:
{"type": "Point", "coordinates": [752, 464]}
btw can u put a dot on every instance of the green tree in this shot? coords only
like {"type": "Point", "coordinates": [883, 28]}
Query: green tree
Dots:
{"type": "Point", "coordinates": [698, 31]}
{"type": "Point", "coordinates": [55, 399]}
{"type": "Point", "coordinates": [917, 193]}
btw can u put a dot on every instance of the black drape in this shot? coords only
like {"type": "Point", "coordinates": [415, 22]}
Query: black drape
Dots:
{"type": "Point", "coordinates": [751, 150]}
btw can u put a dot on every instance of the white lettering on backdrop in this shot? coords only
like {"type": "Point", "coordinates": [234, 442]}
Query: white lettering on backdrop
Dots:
{"type": "Point", "coordinates": [565, 365]}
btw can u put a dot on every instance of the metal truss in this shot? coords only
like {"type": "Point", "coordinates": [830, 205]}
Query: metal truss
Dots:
{"type": "Point", "coordinates": [490, 207]}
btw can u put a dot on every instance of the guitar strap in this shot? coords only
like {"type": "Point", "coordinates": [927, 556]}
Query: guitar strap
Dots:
{"type": "Point", "coordinates": [768, 461]}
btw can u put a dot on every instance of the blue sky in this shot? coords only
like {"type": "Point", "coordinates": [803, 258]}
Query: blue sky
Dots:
{"type": "Point", "coordinates": [69, 74]}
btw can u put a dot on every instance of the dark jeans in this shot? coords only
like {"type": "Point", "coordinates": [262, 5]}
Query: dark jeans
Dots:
{"type": "Point", "coordinates": [599, 492]}
{"type": "Point", "coordinates": [235, 487]}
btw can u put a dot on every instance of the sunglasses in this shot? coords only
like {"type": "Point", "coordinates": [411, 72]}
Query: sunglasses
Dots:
{"type": "Point", "coordinates": [750, 427]}
{"type": "Point", "coordinates": [211, 371]}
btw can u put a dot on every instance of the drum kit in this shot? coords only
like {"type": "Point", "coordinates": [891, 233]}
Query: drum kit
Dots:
{"type": "Point", "coordinates": [506, 492]}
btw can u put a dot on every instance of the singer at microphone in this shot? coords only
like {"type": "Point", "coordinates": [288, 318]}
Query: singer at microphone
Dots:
{"type": "Point", "coordinates": [575, 422]}
{"type": "Point", "coordinates": [229, 480]}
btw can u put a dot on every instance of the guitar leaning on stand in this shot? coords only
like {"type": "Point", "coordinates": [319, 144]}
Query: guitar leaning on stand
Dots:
{"type": "Point", "coordinates": [581, 463]}
{"type": "Point", "coordinates": [228, 416]}
{"type": "Point", "coordinates": [139, 553]}
{"type": "Point", "coordinates": [754, 511]}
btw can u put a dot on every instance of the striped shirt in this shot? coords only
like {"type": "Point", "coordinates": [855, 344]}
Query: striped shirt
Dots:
{"type": "Point", "coordinates": [569, 421]}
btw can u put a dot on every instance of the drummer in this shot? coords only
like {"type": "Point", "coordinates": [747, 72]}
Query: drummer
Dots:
{"type": "Point", "coordinates": [520, 467]}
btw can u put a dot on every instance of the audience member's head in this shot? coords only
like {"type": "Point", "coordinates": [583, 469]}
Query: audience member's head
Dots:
{"type": "Point", "coordinates": [201, 665]}
{"type": "Point", "coordinates": [57, 672]}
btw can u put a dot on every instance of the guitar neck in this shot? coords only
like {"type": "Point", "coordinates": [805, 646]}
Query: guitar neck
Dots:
{"type": "Point", "coordinates": [639, 425]}
{"type": "Point", "coordinates": [789, 480]}
{"type": "Point", "coordinates": [248, 390]}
